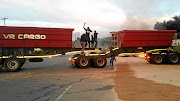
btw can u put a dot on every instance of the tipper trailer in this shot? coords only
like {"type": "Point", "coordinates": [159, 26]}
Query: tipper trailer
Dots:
{"type": "Point", "coordinates": [18, 44]}
{"type": "Point", "coordinates": [134, 41]}
{"type": "Point", "coordinates": [170, 55]}
{"type": "Point", "coordinates": [160, 46]}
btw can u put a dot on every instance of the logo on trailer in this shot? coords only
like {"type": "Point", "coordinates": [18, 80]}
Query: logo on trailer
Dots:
{"type": "Point", "coordinates": [24, 36]}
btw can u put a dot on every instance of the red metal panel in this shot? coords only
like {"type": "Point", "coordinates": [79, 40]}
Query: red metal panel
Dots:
{"type": "Point", "coordinates": [147, 43]}
{"type": "Point", "coordinates": [131, 44]}
{"type": "Point", "coordinates": [60, 44]}
{"type": "Point", "coordinates": [163, 43]}
{"type": "Point", "coordinates": [12, 43]}
{"type": "Point", "coordinates": [43, 43]}
{"type": "Point", "coordinates": [132, 37]}
{"type": "Point", "coordinates": [165, 37]}
{"type": "Point", "coordinates": [55, 37]}
{"type": "Point", "coordinates": [1, 43]}
{"type": "Point", "coordinates": [149, 37]}
{"type": "Point", "coordinates": [36, 43]}
{"type": "Point", "coordinates": [121, 35]}
{"type": "Point", "coordinates": [59, 37]}
{"type": "Point", "coordinates": [146, 38]}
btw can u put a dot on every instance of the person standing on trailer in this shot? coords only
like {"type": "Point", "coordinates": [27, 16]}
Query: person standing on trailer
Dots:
{"type": "Point", "coordinates": [83, 41]}
{"type": "Point", "coordinates": [112, 58]}
{"type": "Point", "coordinates": [92, 41]}
{"type": "Point", "coordinates": [95, 38]}
{"type": "Point", "coordinates": [88, 31]}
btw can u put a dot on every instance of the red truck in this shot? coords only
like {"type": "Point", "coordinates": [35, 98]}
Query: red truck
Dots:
{"type": "Point", "coordinates": [18, 44]}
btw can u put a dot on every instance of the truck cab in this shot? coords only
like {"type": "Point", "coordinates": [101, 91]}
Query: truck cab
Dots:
{"type": "Point", "coordinates": [176, 40]}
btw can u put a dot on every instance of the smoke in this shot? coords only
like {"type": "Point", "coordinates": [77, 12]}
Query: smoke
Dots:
{"type": "Point", "coordinates": [134, 23]}
{"type": "Point", "coordinates": [143, 14]}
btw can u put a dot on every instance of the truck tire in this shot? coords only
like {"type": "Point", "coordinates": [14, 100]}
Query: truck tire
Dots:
{"type": "Point", "coordinates": [157, 59]}
{"type": "Point", "coordinates": [12, 65]}
{"type": "Point", "coordinates": [99, 62]}
{"type": "Point", "coordinates": [82, 62]}
{"type": "Point", "coordinates": [173, 58]}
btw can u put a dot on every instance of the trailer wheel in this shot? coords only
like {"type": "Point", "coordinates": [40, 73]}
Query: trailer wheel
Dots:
{"type": "Point", "coordinates": [157, 59]}
{"type": "Point", "coordinates": [99, 62]}
{"type": "Point", "coordinates": [82, 62]}
{"type": "Point", "coordinates": [12, 65]}
{"type": "Point", "coordinates": [173, 58]}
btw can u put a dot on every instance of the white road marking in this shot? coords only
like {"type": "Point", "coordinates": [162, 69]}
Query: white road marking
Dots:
{"type": "Point", "coordinates": [60, 96]}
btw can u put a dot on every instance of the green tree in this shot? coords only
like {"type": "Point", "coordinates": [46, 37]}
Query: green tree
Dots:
{"type": "Point", "coordinates": [173, 24]}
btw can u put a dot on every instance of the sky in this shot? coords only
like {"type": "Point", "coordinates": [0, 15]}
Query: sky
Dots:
{"type": "Point", "coordinates": [103, 16]}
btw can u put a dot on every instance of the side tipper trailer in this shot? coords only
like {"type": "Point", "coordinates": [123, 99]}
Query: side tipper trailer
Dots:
{"type": "Point", "coordinates": [133, 41]}
{"type": "Point", "coordinates": [160, 46]}
{"type": "Point", "coordinates": [18, 44]}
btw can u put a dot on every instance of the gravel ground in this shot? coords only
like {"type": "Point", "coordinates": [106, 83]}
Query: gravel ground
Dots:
{"type": "Point", "coordinates": [137, 80]}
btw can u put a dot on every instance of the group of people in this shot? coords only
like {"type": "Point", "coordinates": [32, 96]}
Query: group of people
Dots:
{"type": "Point", "coordinates": [86, 40]}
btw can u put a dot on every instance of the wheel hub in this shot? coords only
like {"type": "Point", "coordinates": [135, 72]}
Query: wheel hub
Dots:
{"type": "Point", "coordinates": [158, 59]}
{"type": "Point", "coordinates": [84, 62]}
{"type": "Point", "coordinates": [12, 64]}
{"type": "Point", "coordinates": [100, 61]}
{"type": "Point", "coordinates": [174, 58]}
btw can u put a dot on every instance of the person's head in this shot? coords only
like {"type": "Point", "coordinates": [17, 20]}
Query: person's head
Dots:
{"type": "Point", "coordinates": [94, 31]}
{"type": "Point", "coordinates": [87, 27]}
{"type": "Point", "coordinates": [111, 48]}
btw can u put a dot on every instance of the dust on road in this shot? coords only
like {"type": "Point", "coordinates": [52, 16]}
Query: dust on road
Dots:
{"type": "Point", "coordinates": [131, 88]}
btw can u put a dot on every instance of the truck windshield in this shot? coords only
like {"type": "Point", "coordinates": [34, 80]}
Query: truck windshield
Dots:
{"type": "Point", "coordinates": [178, 35]}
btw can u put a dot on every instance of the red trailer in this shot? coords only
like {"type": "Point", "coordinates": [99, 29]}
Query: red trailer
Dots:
{"type": "Point", "coordinates": [18, 44]}
{"type": "Point", "coordinates": [28, 37]}
{"type": "Point", "coordinates": [142, 40]}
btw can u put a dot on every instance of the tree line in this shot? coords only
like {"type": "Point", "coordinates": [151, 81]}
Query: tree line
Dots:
{"type": "Point", "coordinates": [173, 24]}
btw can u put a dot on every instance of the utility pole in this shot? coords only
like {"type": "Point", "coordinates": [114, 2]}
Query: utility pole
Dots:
{"type": "Point", "coordinates": [4, 20]}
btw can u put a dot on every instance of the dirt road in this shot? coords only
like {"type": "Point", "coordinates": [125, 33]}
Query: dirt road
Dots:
{"type": "Point", "coordinates": [137, 80]}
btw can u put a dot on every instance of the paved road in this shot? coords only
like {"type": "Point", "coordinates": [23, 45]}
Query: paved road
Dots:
{"type": "Point", "coordinates": [55, 80]}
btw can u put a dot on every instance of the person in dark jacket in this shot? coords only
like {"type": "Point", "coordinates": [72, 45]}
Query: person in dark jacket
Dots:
{"type": "Point", "coordinates": [83, 41]}
{"type": "Point", "coordinates": [112, 58]}
{"type": "Point", "coordinates": [95, 38]}
{"type": "Point", "coordinates": [88, 31]}
{"type": "Point", "coordinates": [92, 41]}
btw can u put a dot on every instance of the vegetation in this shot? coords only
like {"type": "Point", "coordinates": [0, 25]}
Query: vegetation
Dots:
{"type": "Point", "coordinates": [106, 42]}
{"type": "Point", "coordinates": [173, 24]}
